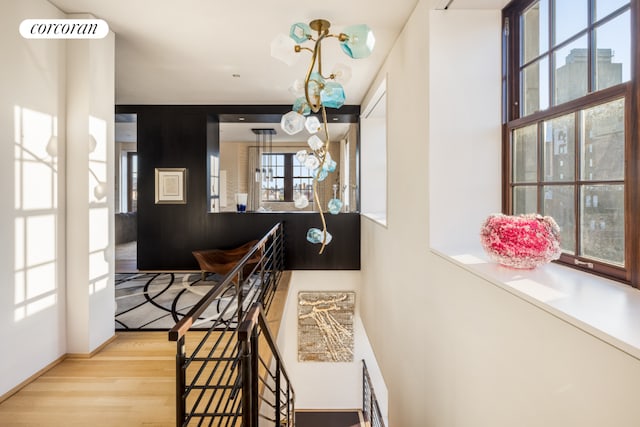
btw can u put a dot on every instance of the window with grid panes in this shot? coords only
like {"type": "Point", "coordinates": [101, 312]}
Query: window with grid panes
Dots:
{"type": "Point", "coordinates": [570, 141]}
{"type": "Point", "coordinates": [284, 178]}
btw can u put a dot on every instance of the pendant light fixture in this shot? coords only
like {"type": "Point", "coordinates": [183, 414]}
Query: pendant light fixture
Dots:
{"type": "Point", "coordinates": [316, 92]}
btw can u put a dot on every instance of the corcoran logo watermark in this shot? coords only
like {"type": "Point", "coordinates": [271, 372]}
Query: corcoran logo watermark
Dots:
{"type": "Point", "coordinates": [64, 28]}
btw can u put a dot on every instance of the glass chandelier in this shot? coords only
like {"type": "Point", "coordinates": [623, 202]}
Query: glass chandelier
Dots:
{"type": "Point", "coordinates": [314, 93]}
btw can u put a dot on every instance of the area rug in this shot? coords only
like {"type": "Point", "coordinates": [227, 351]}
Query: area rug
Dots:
{"type": "Point", "coordinates": [157, 301]}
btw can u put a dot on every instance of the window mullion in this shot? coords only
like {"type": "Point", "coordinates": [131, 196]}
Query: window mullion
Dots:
{"type": "Point", "coordinates": [592, 55]}
{"type": "Point", "coordinates": [632, 176]}
{"type": "Point", "coordinates": [288, 177]}
{"type": "Point", "coordinates": [540, 171]}
{"type": "Point", "coordinates": [577, 189]}
{"type": "Point", "coordinates": [551, 62]}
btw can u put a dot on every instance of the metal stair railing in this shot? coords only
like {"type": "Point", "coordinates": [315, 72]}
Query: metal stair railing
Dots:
{"type": "Point", "coordinates": [209, 372]}
{"type": "Point", "coordinates": [268, 392]}
{"type": "Point", "coordinates": [370, 407]}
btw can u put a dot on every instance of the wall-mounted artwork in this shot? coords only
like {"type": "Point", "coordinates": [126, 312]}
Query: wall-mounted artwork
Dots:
{"type": "Point", "coordinates": [171, 185]}
{"type": "Point", "coordinates": [325, 326]}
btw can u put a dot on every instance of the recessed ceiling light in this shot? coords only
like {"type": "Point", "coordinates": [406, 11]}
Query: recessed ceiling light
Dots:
{"type": "Point", "coordinates": [242, 119]}
{"type": "Point", "coordinates": [335, 119]}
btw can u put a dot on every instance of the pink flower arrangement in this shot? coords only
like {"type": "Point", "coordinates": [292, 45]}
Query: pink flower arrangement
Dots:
{"type": "Point", "coordinates": [523, 241]}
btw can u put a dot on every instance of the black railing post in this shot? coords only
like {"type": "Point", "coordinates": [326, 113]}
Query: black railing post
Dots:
{"type": "Point", "coordinates": [288, 405]}
{"type": "Point", "coordinates": [364, 391]}
{"type": "Point", "coordinates": [254, 377]}
{"type": "Point", "coordinates": [371, 407]}
{"type": "Point", "coordinates": [247, 392]}
{"type": "Point", "coordinates": [278, 394]}
{"type": "Point", "coordinates": [180, 382]}
{"type": "Point", "coordinates": [292, 415]}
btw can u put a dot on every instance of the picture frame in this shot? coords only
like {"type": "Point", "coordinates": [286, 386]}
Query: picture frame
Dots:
{"type": "Point", "coordinates": [171, 186]}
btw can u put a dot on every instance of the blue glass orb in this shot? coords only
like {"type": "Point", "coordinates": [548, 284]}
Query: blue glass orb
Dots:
{"type": "Point", "coordinates": [334, 206]}
{"type": "Point", "coordinates": [300, 32]}
{"type": "Point", "coordinates": [322, 175]}
{"type": "Point", "coordinates": [329, 165]}
{"type": "Point", "coordinates": [317, 78]}
{"type": "Point", "coordinates": [315, 235]}
{"type": "Point", "coordinates": [332, 95]}
{"type": "Point", "coordinates": [300, 106]}
{"type": "Point", "coordinates": [360, 41]}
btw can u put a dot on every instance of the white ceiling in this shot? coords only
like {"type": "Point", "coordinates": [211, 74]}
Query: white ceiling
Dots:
{"type": "Point", "coordinates": [186, 52]}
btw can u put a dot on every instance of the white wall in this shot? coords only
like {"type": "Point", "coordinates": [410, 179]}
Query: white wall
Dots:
{"type": "Point", "coordinates": [39, 223]}
{"type": "Point", "coordinates": [465, 100]}
{"type": "Point", "coordinates": [323, 385]}
{"type": "Point", "coordinates": [90, 100]}
{"type": "Point", "coordinates": [32, 108]}
{"type": "Point", "coordinates": [454, 349]}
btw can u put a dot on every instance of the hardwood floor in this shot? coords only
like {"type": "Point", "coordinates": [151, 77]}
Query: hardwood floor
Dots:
{"type": "Point", "coordinates": [131, 382]}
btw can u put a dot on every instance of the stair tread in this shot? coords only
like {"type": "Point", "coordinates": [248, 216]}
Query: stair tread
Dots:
{"type": "Point", "coordinates": [327, 419]}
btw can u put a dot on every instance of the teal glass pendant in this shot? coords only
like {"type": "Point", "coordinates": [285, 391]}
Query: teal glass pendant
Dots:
{"type": "Point", "coordinates": [332, 95]}
{"type": "Point", "coordinates": [334, 206]}
{"type": "Point", "coordinates": [329, 164]}
{"type": "Point", "coordinates": [315, 235]}
{"type": "Point", "coordinates": [300, 32]}
{"type": "Point", "coordinates": [300, 106]}
{"type": "Point", "coordinates": [360, 41]}
{"type": "Point", "coordinates": [322, 175]}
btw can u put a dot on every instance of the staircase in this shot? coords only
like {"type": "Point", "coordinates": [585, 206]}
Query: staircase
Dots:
{"type": "Point", "coordinates": [234, 375]}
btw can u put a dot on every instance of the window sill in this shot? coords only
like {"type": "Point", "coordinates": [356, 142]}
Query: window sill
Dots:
{"type": "Point", "coordinates": [608, 310]}
{"type": "Point", "coordinates": [377, 218]}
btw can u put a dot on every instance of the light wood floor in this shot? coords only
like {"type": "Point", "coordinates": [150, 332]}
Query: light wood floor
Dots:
{"type": "Point", "coordinates": [131, 382]}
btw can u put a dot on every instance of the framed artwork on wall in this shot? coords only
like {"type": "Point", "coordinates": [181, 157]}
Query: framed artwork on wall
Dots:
{"type": "Point", "coordinates": [325, 326]}
{"type": "Point", "coordinates": [171, 186]}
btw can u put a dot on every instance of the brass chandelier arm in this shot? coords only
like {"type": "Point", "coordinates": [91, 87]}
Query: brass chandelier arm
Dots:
{"type": "Point", "coordinates": [323, 157]}
{"type": "Point", "coordinates": [324, 223]}
{"type": "Point", "coordinates": [316, 57]}
{"type": "Point", "coordinates": [326, 128]}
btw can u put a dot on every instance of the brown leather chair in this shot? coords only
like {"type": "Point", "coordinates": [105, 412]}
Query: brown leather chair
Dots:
{"type": "Point", "coordinates": [222, 261]}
